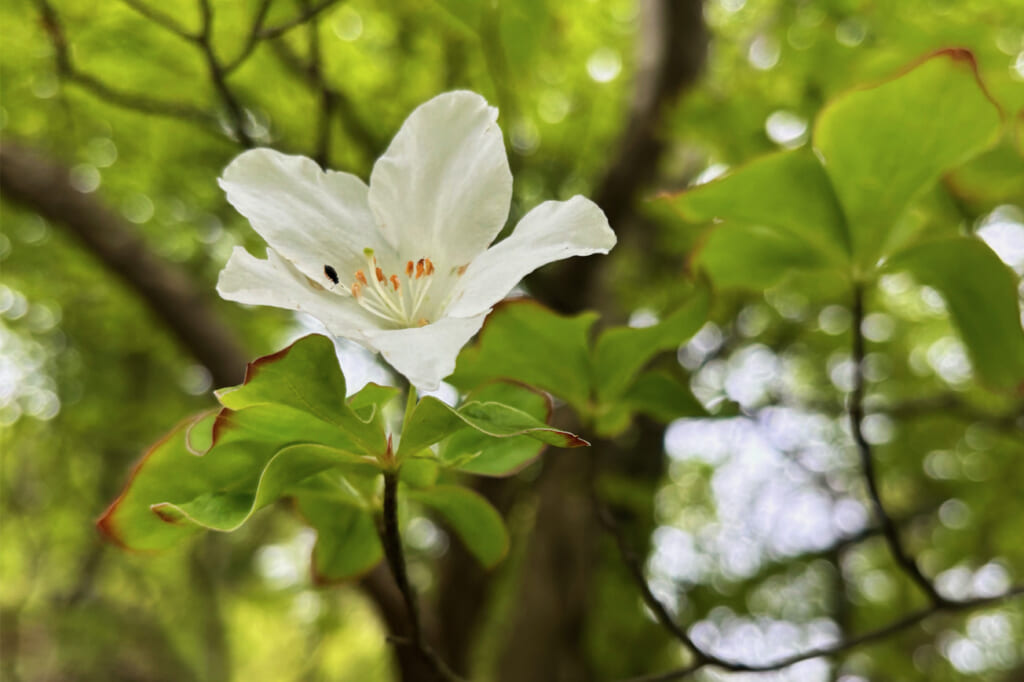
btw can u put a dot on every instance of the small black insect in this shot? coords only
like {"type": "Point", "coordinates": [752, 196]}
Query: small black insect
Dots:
{"type": "Point", "coordinates": [331, 273]}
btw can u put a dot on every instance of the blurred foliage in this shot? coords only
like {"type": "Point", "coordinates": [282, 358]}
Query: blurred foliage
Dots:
{"type": "Point", "coordinates": [89, 377]}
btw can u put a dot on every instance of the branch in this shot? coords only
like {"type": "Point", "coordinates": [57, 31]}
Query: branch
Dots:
{"type": "Point", "coordinates": [856, 409]}
{"type": "Point", "coordinates": [253, 38]}
{"type": "Point", "coordinates": [673, 46]}
{"type": "Point", "coordinates": [636, 572]}
{"type": "Point", "coordinates": [358, 131]}
{"type": "Point", "coordinates": [303, 17]}
{"type": "Point", "coordinates": [162, 20]}
{"type": "Point", "coordinates": [219, 77]}
{"type": "Point", "coordinates": [43, 186]}
{"type": "Point", "coordinates": [392, 541]}
{"type": "Point", "coordinates": [127, 100]}
{"type": "Point", "coordinates": [841, 646]}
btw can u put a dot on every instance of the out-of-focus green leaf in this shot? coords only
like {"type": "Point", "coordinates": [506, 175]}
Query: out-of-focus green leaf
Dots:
{"type": "Point", "coordinates": [981, 294]}
{"type": "Point", "coordinates": [622, 351]}
{"type": "Point", "coordinates": [524, 341]}
{"type": "Point", "coordinates": [993, 178]}
{"type": "Point", "coordinates": [472, 517]}
{"type": "Point", "coordinates": [432, 421]}
{"type": "Point", "coordinates": [347, 544]}
{"type": "Point", "coordinates": [419, 472]}
{"type": "Point", "coordinates": [882, 146]}
{"type": "Point", "coordinates": [736, 255]}
{"type": "Point", "coordinates": [663, 397]}
{"type": "Point", "coordinates": [474, 452]}
{"type": "Point", "coordinates": [787, 190]}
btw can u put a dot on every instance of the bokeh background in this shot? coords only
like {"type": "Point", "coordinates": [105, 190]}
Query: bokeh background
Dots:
{"type": "Point", "coordinates": [754, 521]}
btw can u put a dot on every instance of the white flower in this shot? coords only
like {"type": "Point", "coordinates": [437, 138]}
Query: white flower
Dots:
{"type": "Point", "coordinates": [402, 266]}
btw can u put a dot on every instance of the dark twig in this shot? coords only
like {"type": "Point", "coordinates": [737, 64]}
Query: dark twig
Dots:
{"type": "Point", "coordinates": [327, 100]}
{"type": "Point", "coordinates": [392, 541]}
{"type": "Point", "coordinates": [253, 38]}
{"type": "Point", "coordinates": [358, 131]}
{"type": "Point", "coordinates": [856, 410]}
{"type": "Point", "coordinates": [280, 29]}
{"type": "Point", "coordinates": [219, 78]}
{"type": "Point", "coordinates": [67, 69]}
{"type": "Point", "coordinates": [841, 646]}
{"type": "Point", "coordinates": [162, 20]}
{"type": "Point", "coordinates": [633, 564]}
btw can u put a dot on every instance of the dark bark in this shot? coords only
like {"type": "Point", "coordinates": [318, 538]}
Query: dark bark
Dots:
{"type": "Point", "coordinates": [555, 590]}
{"type": "Point", "coordinates": [43, 185]}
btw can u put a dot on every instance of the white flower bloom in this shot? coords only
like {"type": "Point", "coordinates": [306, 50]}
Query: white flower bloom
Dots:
{"type": "Point", "coordinates": [402, 266]}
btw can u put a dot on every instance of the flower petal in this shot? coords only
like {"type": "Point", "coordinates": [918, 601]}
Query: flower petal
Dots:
{"type": "Point", "coordinates": [552, 231]}
{"type": "Point", "coordinates": [311, 217]}
{"type": "Point", "coordinates": [276, 282]}
{"type": "Point", "coordinates": [443, 188]}
{"type": "Point", "coordinates": [426, 355]}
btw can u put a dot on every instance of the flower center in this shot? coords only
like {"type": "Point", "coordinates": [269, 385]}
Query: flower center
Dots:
{"type": "Point", "coordinates": [395, 297]}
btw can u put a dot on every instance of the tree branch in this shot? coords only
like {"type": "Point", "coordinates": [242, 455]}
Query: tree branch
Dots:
{"type": "Point", "coordinates": [67, 69]}
{"type": "Point", "coordinates": [841, 646]}
{"type": "Point", "coordinates": [43, 186]}
{"type": "Point", "coordinates": [392, 541]}
{"type": "Point", "coordinates": [856, 409]}
{"type": "Point", "coordinates": [219, 77]}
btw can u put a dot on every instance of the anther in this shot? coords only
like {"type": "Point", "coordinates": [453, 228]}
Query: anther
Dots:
{"type": "Point", "coordinates": [360, 277]}
{"type": "Point", "coordinates": [356, 289]}
{"type": "Point", "coordinates": [380, 275]}
{"type": "Point", "coordinates": [408, 269]}
{"type": "Point", "coordinates": [419, 268]}
{"type": "Point", "coordinates": [394, 281]}
{"type": "Point", "coordinates": [430, 267]}
{"type": "Point", "coordinates": [423, 322]}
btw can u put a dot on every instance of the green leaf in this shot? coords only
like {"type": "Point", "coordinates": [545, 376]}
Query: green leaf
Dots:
{"type": "Point", "coordinates": [663, 397]}
{"type": "Point", "coordinates": [981, 294]}
{"type": "Point", "coordinates": [882, 146]}
{"type": "Point", "coordinates": [472, 517]}
{"type": "Point", "coordinates": [373, 395]}
{"type": "Point", "coordinates": [471, 451]}
{"type": "Point", "coordinates": [621, 352]}
{"type": "Point", "coordinates": [524, 341]}
{"type": "Point", "coordinates": [432, 420]}
{"type": "Point", "coordinates": [420, 472]}
{"type": "Point", "coordinates": [736, 255]}
{"type": "Point", "coordinates": [227, 509]}
{"type": "Point", "coordinates": [347, 544]}
{"type": "Point", "coordinates": [305, 376]}
{"type": "Point", "coordinates": [129, 521]}
{"type": "Point", "coordinates": [257, 456]}
{"type": "Point", "coordinates": [789, 191]}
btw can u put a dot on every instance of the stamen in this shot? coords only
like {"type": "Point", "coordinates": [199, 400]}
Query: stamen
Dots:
{"type": "Point", "coordinates": [419, 268]}
{"type": "Point", "coordinates": [430, 266]}
{"type": "Point", "coordinates": [394, 281]}
{"type": "Point", "coordinates": [380, 274]}
{"type": "Point", "coordinates": [408, 269]}
{"type": "Point", "coordinates": [356, 289]}
{"type": "Point", "coordinates": [360, 277]}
